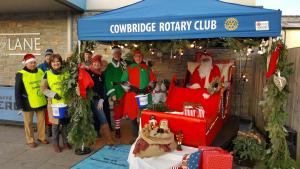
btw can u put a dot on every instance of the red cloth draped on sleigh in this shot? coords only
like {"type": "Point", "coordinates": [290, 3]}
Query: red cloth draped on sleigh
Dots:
{"type": "Point", "coordinates": [197, 131]}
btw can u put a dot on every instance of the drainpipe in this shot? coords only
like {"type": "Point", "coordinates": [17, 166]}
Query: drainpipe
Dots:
{"type": "Point", "coordinates": [69, 32]}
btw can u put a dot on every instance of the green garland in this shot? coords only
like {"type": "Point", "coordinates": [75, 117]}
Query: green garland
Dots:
{"type": "Point", "coordinates": [277, 156]}
{"type": "Point", "coordinates": [81, 131]}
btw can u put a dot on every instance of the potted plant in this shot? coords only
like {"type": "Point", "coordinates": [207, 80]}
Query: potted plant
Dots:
{"type": "Point", "coordinates": [248, 148]}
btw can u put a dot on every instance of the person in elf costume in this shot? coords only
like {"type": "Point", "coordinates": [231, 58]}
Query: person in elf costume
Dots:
{"type": "Point", "coordinates": [52, 87]}
{"type": "Point", "coordinates": [30, 99]}
{"type": "Point", "coordinates": [141, 79]}
{"type": "Point", "coordinates": [115, 92]}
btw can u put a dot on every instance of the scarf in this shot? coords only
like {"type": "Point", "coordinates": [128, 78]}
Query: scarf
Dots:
{"type": "Point", "coordinates": [96, 71]}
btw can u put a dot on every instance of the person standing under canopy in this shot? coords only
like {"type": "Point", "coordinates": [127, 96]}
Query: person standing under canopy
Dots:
{"type": "Point", "coordinates": [141, 80]}
{"type": "Point", "coordinates": [115, 92]}
{"type": "Point", "coordinates": [97, 104]}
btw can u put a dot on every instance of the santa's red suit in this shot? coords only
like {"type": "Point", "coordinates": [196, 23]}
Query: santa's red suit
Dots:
{"type": "Point", "coordinates": [203, 75]}
{"type": "Point", "coordinates": [206, 72]}
{"type": "Point", "coordinates": [196, 78]}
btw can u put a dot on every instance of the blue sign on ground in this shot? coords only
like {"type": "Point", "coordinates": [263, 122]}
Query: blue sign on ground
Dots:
{"type": "Point", "coordinates": [114, 157]}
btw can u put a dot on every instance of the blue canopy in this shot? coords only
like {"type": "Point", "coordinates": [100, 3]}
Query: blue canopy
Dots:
{"type": "Point", "coordinates": [180, 19]}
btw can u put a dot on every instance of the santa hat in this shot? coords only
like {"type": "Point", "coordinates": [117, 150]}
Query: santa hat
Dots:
{"type": "Point", "coordinates": [116, 49]}
{"type": "Point", "coordinates": [28, 58]}
{"type": "Point", "coordinates": [200, 54]}
{"type": "Point", "coordinates": [96, 58]}
{"type": "Point", "coordinates": [137, 52]}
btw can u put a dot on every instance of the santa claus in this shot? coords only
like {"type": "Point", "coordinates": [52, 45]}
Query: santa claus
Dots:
{"type": "Point", "coordinates": [207, 75]}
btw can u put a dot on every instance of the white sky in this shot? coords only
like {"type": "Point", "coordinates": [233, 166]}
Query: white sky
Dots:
{"type": "Point", "coordinates": [288, 7]}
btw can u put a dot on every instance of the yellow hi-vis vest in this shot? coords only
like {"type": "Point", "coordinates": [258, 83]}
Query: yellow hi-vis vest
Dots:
{"type": "Point", "coordinates": [32, 83]}
{"type": "Point", "coordinates": [55, 83]}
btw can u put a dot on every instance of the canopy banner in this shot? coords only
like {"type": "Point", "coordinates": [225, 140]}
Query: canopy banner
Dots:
{"type": "Point", "coordinates": [177, 19]}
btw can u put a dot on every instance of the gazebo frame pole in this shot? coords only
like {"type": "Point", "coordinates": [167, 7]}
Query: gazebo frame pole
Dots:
{"type": "Point", "coordinates": [79, 50]}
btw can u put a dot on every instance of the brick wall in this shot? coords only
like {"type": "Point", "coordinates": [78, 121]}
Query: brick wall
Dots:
{"type": "Point", "coordinates": [52, 29]}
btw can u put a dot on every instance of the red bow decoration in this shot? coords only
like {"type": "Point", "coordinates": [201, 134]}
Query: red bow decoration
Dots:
{"type": "Point", "coordinates": [273, 61]}
{"type": "Point", "coordinates": [84, 81]}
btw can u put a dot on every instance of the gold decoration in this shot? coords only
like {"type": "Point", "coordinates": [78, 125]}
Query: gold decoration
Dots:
{"type": "Point", "coordinates": [214, 86]}
{"type": "Point", "coordinates": [231, 24]}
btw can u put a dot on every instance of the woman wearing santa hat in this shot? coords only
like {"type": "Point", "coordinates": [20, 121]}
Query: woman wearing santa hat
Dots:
{"type": "Point", "coordinates": [30, 99]}
{"type": "Point", "coordinates": [141, 80]}
{"type": "Point", "coordinates": [96, 74]}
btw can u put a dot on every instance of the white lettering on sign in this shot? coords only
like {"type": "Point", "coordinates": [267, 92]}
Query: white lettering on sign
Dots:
{"type": "Point", "coordinates": [20, 43]}
{"type": "Point", "coordinates": [262, 25]}
{"type": "Point", "coordinates": [205, 25]}
{"type": "Point", "coordinates": [172, 26]}
{"type": "Point", "coordinates": [133, 28]}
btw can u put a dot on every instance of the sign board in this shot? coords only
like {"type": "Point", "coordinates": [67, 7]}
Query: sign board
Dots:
{"type": "Point", "coordinates": [8, 109]}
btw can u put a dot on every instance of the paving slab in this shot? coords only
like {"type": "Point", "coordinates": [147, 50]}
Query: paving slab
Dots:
{"type": "Point", "coordinates": [11, 150]}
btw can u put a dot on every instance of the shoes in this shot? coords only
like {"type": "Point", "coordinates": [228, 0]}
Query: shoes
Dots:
{"type": "Point", "coordinates": [118, 133]}
{"type": "Point", "coordinates": [67, 146]}
{"type": "Point", "coordinates": [32, 145]}
{"type": "Point", "coordinates": [44, 141]}
{"type": "Point", "coordinates": [56, 148]}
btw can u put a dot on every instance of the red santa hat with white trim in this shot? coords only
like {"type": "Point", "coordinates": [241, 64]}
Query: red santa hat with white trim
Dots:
{"type": "Point", "coordinates": [28, 58]}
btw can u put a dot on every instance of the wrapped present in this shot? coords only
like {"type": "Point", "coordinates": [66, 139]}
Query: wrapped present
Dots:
{"type": "Point", "coordinates": [215, 158]}
{"type": "Point", "coordinates": [194, 111]}
{"type": "Point", "coordinates": [190, 161]}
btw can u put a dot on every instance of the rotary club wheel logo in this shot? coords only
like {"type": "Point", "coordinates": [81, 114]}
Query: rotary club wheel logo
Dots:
{"type": "Point", "coordinates": [231, 24]}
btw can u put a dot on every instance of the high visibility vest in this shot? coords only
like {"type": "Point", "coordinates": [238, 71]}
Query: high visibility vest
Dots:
{"type": "Point", "coordinates": [32, 83]}
{"type": "Point", "coordinates": [55, 83]}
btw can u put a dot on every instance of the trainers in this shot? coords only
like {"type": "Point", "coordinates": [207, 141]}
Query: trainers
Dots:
{"type": "Point", "coordinates": [32, 145]}
{"type": "Point", "coordinates": [118, 133]}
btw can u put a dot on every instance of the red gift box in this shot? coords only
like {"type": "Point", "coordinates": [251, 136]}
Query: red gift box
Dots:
{"type": "Point", "coordinates": [215, 158]}
{"type": "Point", "coordinates": [196, 131]}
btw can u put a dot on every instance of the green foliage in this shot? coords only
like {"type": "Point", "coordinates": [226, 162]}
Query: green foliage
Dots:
{"type": "Point", "coordinates": [277, 155]}
{"type": "Point", "coordinates": [160, 107]}
{"type": "Point", "coordinates": [241, 44]}
{"type": "Point", "coordinates": [248, 148]}
{"type": "Point", "coordinates": [81, 130]}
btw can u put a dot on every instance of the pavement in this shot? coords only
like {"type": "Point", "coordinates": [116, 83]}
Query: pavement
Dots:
{"type": "Point", "coordinates": [15, 154]}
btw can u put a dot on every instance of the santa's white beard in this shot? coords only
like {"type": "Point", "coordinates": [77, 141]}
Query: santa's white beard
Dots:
{"type": "Point", "coordinates": [204, 71]}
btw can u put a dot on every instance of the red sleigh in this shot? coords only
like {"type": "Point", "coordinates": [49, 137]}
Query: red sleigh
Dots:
{"type": "Point", "coordinates": [198, 131]}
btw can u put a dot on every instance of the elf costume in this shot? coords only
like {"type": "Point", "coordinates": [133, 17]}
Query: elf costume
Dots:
{"type": "Point", "coordinates": [113, 74]}
{"type": "Point", "coordinates": [139, 76]}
